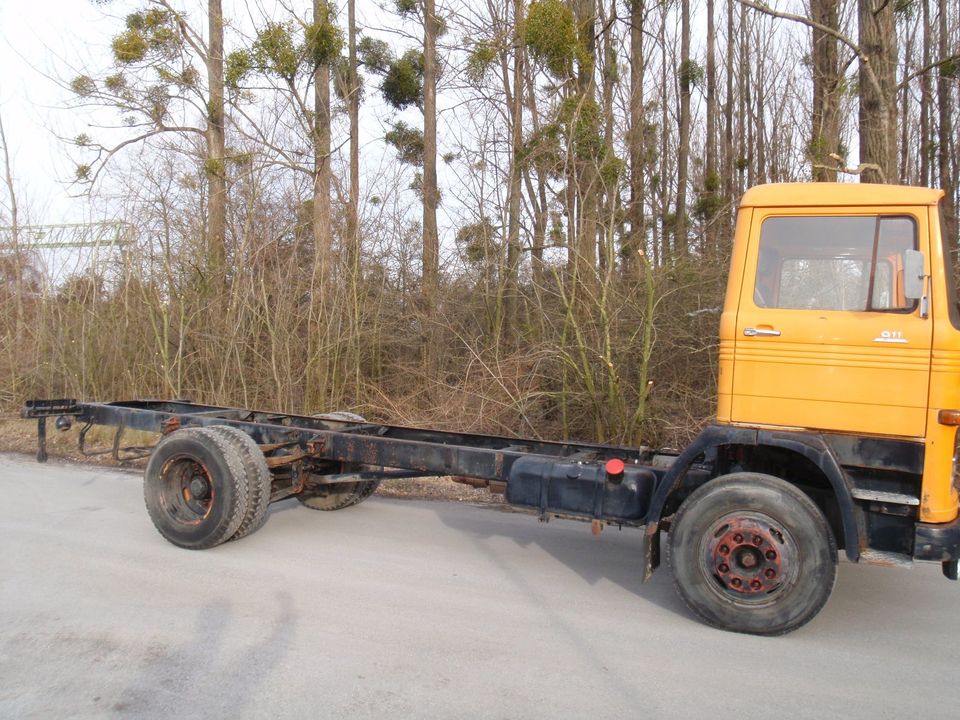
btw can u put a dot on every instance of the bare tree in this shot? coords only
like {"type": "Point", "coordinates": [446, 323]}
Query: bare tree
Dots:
{"type": "Point", "coordinates": [946, 141]}
{"type": "Point", "coordinates": [431, 240]}
{"type": "Point", "coordinates": [825, 128]}
{"type": "Point", "coordinates": [878, 73]}
{"type": "Point", "coordinates": [687, 75]}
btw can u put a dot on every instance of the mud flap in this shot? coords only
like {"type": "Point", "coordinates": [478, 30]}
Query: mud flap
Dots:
{"type": "Point", "coordinates": [651, 549]}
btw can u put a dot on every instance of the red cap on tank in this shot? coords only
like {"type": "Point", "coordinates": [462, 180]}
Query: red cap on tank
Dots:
{"type": "Point", "coordinates": [614, 467]}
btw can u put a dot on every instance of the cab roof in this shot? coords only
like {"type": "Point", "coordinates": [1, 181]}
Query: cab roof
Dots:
{"type": "Point", "coordinates": [823, 194]}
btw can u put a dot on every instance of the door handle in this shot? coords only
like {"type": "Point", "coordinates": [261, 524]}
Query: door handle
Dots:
{"type": "Point", "coordinates": [761, 332]}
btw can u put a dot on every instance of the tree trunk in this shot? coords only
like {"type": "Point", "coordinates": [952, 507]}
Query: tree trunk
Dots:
{"type": "Point", "coordinates": [878, 109]}
{"type": "Point", "coordinates": [321, 155]}
{"type": "Point", "coordinates": [606, 186]}
{"type": "Point", "coordinates": [745, 128]}
{"type": "Point", "coordinates": [904, 154]}
{"type": "Point", "coordinates": [926, 96]}
{"type": "Point", "coordinates": [587, 185]}
{"type": "Point", "coordinates": [633, 242]}
{"type": "Point", "coordinates": [353, 108]}
{"type": "Point", "coordinates": [728, 160]}
{"type": "Point", "coordinates": [711, 180]}
{"type": "Point", "coordinates": [666, 230]}
{"type": "Point", "coordinates": [431, 241]}
{"type": "Point", "coordinates": [216, 169]}
{"type": "Point", "coordinates": [946, 127]}
{"type": "Point", "coordinates": [538, 196]}
{"type": "Point", "coordinates": [18, 265]}
{"type": "Point", "coordinates": [683, 152]}
{"type": "Point", "coordinates": [825, 131]}
{"type": "Point", "coordinates": [511, 282]}
{"type": "Point", "coordinates": [759, 122]}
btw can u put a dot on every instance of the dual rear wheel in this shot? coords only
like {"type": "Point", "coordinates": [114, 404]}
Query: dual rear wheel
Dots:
{"type": "Point", "coordinates": [205, 486]}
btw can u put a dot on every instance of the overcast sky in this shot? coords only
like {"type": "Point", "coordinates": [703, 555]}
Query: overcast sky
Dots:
{"type": "Point", "coordinates": [42, 41]}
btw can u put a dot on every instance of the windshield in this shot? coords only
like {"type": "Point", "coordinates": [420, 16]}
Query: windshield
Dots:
{"type": "Point", "coordinates": [847, 263]}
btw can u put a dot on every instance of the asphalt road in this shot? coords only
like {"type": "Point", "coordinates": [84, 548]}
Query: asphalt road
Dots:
{"type": "Point", "coordinates": [397, 609]}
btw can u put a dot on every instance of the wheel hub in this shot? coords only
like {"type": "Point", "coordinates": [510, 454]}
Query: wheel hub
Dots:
{"type": "Point", "coordinates": [747, 556]}
{"type": "Point", "coordinates": [199, 487]}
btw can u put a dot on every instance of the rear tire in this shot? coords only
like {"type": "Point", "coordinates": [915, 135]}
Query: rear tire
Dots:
{"type": "Point", "coordinates": [751, 553]}
{"type": "Point", "coordinates": [259, 480]}
{"type": "Point", "coordinates": [340, 495]}
{"type": "Point", "coordinates": [195, 488]}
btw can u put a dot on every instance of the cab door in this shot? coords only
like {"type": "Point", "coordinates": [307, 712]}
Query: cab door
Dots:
{"type": "Point", "coordinates": [825, 337]}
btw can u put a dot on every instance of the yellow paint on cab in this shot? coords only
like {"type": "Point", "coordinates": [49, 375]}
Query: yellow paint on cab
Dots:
{"type": "Point", "coordinates": [878, 373]}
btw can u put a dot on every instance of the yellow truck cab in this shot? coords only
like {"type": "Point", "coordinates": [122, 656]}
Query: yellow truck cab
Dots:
{"type": "Point", "coordinates": [839, 375]}
{"type": "Point", "coordinates": [821, 330]}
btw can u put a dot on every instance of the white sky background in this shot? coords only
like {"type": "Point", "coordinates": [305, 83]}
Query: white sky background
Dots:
{"type": "Point", "coordinates": [46, 42]}
{"type": "Point", "coordinates": [39, 41]}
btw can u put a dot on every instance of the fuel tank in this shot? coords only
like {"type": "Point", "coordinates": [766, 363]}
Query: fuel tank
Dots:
{"type": "Point", "coordinates": [585, 489]}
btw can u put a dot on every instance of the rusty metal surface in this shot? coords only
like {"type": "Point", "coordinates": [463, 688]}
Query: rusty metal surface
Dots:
{"type": "Point", "coordinates": [298, 447]}
{"type": "Point", "coordinates": [747, 555]}
{"type": "Point", "coordinates": [427, 451]}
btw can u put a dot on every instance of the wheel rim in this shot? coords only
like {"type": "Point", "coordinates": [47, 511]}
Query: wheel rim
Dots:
{"type": "Point", "coordinates": [749, 558]}
{"type": "Point", "coordinates": [186, 490]}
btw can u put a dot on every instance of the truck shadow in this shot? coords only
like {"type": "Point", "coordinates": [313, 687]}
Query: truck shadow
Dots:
{"type": "Point", "coordinates": [863, 596]}
{"type": "Point", "coordinates": [613, 556]}
{"type": "Point", "coordinates": [209, 670]}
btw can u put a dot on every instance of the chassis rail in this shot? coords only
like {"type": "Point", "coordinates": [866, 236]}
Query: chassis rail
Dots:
{"type": "Point", "coordinates": [556, 477]}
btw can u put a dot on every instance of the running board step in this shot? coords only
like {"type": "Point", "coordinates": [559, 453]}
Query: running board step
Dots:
{"type": "Point", "coordinates": [885, 497]}
{"type": "Point", "coordinates": [888, 559]}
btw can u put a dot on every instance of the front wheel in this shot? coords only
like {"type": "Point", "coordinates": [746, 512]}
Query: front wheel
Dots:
{"type": "Point", "coordinates": [751, 553]}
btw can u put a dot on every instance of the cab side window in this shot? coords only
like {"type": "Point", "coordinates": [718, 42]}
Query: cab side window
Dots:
{"type": "Point", "coordinates": [834, 263]}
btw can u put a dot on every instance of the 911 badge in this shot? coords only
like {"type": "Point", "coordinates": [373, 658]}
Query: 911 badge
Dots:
{"type": "Point", "coordinates": [891, 336]}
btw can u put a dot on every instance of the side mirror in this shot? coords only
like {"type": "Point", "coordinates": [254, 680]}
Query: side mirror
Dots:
{"type": "Point", "coordinates": [913, 275]}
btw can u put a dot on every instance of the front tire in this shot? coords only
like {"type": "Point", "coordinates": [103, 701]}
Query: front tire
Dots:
{"type": "Point", "coordinates": [195, 488]}
{"type": "Point", "coordinates": [751, 553]}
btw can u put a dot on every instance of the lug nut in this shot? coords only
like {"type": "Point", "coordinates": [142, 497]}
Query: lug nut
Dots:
{"type": "Point", "coordinates": [735, 582]}
{"type": "Point", "coordinates": [724, 549]}
{"type": "Point", "coordinates": [723, 567]}
{"type": "Point", "coordinates": [755, 584]}
{"type": "Point", "coordinates": [769, 572]}
{"type": "Point", "coordinates": [738, 538]}
{"type": "Point", "coordinates": [757, 540]}
{"type": "Point", "coordinates": [771, 555]}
